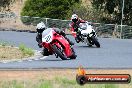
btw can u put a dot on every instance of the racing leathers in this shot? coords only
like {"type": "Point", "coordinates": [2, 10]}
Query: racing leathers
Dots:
{"type": "Point", "coordinates": [74, 28]}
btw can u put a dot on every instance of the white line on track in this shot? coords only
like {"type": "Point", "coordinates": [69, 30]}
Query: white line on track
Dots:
{"type": "Point", "coordinates": [43, 58]}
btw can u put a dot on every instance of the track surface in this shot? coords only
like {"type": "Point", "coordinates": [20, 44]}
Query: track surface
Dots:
{"type": "Point", "coordinates": [114, 53]}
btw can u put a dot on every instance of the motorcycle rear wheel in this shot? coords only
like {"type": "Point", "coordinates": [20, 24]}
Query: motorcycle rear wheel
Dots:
{"type": "Point", "coordinates": [59, 53]}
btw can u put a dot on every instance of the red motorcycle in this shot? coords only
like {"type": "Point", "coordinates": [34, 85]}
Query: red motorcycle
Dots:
{"type": "Point", "coordinates": [57, 44]}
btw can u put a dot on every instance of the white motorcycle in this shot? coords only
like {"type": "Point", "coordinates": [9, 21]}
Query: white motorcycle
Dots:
{"type": "Point", "coordinates": [88, 34]}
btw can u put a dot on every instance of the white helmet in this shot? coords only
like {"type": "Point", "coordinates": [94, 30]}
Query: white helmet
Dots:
{"type": "Point", "coordinates": [40, 27]}
{"type": "Point", "coordinates": [74, 18]}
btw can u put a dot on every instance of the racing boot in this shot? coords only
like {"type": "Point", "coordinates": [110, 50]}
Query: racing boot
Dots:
{"type": "Point", "coordinates": [40, 45]}
{"type": "Point", "coordinates": [45, 52]}
{"type": "Point", "coordinates": [77, 40]}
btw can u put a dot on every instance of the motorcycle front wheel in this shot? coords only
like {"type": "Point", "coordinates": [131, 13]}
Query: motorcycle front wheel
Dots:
{"type": "Point", "coordinates": [59, 52]}
{"type": "Point", "coordinates": [95, 41]}
{"type": "Point", "coordinates": [73, 55]}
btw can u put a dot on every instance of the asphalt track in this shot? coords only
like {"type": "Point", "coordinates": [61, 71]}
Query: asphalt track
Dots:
{"type": "Point", "coordinates": [114, 53]}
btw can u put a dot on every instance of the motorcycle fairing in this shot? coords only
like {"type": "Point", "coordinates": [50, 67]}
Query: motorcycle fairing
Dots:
{"type": "Point", "coordinates": [85, 28]}
{"type": "Point", "coordinates": [62, 42]}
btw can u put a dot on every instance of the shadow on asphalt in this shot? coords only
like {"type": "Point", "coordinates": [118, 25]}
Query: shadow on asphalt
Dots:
{"type": "Point", "coordinates": [57, 59]}
{"type": "Point", "coordinates": [52, 60]}
{"type": "Point", "coordinates": [88, 46]}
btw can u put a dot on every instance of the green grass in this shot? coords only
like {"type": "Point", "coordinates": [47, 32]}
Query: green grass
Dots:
{"type": "Point", "coordinates": [25, 50]}
{"type": "Point", "coordinates": [57, 82]}
{"type": "Point", "coordinates": [68, 83]}
{"type": "Point", "coordinates": [11, 84]}
{"type": "Point", "coordinates": [45, 84]}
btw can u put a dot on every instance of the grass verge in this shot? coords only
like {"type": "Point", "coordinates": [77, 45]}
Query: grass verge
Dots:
{"type": "Point", "coordinates": [54, 78]}
{"type": "Point", "coordinates": [25, 50]}
{"type": "Point", "coordinates": [9, 52]}
{"type": "Point", "coordinates": [60, 82]}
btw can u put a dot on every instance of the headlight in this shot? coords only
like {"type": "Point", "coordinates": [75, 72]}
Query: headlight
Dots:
{"type": "Point", "coordinates": [90, 35]}
{"type": "Point", "coordinates": [85, 34]}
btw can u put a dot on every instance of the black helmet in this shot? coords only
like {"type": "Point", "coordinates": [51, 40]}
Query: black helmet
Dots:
{"type": "Point", "coordinates": [74, 18]}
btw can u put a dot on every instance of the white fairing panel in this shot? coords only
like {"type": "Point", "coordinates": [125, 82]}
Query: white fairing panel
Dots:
{"type": "Point", "coordinates": [87, 29]}
{"type": "Point", "coordinates": [47, 35]}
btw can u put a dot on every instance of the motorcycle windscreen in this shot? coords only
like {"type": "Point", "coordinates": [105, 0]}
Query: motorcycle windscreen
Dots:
{"type": "Point", "coordinates": [83, 26]}
{"type": "Point", "coordinates": [47, 35]}
{"type": "Point", "coordinates": [87, 29]}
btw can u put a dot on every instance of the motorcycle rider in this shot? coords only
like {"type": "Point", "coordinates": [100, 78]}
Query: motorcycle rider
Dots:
{"type": "Point", "coordinates": [40, 28]}
{"type": "Point", "coordinates": [75, 25]}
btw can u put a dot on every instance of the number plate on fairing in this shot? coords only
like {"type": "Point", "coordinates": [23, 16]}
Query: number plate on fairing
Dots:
{"type": "Point", "coordinates": [47, 36]}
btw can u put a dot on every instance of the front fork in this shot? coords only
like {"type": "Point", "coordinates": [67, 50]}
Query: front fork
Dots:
{"type": "Point", "coordinates": [59, 46]}
{"type": "Point", "coordinates": [89, 38]}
